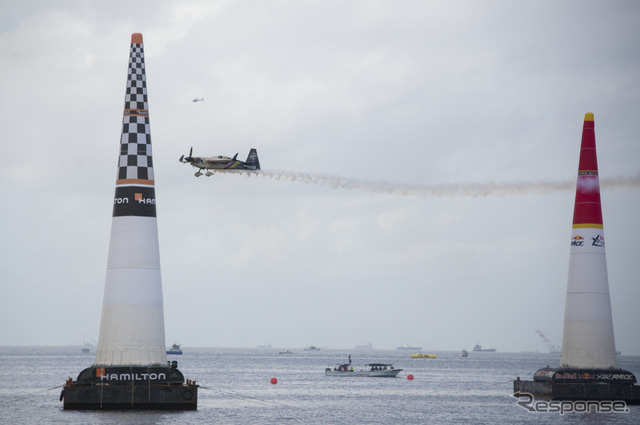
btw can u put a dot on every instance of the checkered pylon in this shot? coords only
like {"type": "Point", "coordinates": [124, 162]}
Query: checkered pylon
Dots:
{"type": "Point", "coordinates": [136, 161]}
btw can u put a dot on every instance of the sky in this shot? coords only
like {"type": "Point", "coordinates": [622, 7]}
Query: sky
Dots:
{"type": "Point", "coordinates": [420, 162]}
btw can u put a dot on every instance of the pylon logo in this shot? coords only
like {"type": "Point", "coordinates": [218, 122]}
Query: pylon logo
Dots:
{"type": "Point", "coordinates": [598, 241]}
{"type": "Point", "coordinates": [138, 197]}
{"type": "Point", "coordinates": [577, 240]}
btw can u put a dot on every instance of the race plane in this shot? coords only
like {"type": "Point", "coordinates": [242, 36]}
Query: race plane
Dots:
{"type": "Point", "coordinates": [222, 163]}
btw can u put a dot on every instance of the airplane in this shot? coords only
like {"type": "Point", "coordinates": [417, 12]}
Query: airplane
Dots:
{"type": "Point", "coordinates": [221, 162]}
{"type": "Point", "coordinates": [198, 99]}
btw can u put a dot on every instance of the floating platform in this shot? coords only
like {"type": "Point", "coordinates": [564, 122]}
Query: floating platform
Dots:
{"type": "Point", "coordinates": [423, 356]}
{"type": "Point", "coordinates": [134, 387]}
{"type": "Point", "coordinates": [581, 384]}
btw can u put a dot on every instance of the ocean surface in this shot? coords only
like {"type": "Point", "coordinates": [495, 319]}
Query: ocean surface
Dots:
{"type": "Point", "coordinates": [236, 388]}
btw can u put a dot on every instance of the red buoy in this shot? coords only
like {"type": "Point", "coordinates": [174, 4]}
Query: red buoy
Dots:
{"type": "Point", "coordinates": [410, 377]}
{"type": "Point", "coordinates": [274, 380]}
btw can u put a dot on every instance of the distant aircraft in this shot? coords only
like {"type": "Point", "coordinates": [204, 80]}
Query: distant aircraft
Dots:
{"type": "Point", "coordinates": [221, 162]}
{"type": "Point", "coordinates": [198, 99]}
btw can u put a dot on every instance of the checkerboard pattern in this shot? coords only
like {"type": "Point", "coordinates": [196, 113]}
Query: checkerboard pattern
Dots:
{"type": "Point", "coordinates": [135, 144]}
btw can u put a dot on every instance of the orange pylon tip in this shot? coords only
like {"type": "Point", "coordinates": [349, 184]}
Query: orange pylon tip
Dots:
{"type": "Point", "coordinates": [136, 38]}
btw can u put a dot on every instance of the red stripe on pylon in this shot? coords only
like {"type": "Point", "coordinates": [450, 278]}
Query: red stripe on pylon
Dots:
{"type": "Point", "coordinates": [587, 206]}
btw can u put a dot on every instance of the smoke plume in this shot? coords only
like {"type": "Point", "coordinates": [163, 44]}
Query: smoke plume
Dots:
{"type": "Point", "coordinates": [437, 190]}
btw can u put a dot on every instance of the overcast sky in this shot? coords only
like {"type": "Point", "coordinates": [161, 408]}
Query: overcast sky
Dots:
{"type": "Point", "coordinates": [362, 94]}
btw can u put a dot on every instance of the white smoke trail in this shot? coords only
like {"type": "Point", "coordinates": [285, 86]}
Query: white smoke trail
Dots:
{"type": "Point", "coordinates": [437, 190]}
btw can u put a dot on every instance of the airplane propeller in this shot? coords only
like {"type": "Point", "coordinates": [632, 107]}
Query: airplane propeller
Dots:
{"type": "Point", "coordinates": [189, 158]}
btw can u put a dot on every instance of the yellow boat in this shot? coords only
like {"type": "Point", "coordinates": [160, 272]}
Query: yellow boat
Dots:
{"type": "Point", "coordinates": [423, 356]}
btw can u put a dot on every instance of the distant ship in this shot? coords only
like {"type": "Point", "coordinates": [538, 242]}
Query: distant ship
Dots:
{"type": "Point", "coordinates": [478, 347]}
{"type": "Point", "coordinates": [408, 347]}
{"type": "Point", "coordinates": [312, 348]}
{"type": "Point", "coordinates": [175, 349]}
{"type": "Point", "coordinates": [464, 353]}
{"type": "Point", "coordinates": [86, 346]}
{"type": "Point", "coordinates": [366, 346]}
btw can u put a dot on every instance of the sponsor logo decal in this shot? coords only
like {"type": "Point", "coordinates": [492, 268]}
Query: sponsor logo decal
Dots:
{"type": "Point", "coordinates": [138, 197]}
{"type": "Point", "coordinates": [133, 376]}
{"type": "Point", "coordinates": [577, 240]}
{"type": "Point", "coordinates": [134, 200]}
{"type": "Point", "coordinates": [118, 375]}
{"type": "Point", "coordinates": [588, 173]}
{"type": "Point", "coordinates": [614, 376]}
{"type": "Point", "coordinates": [139, 112]}
{"type": "Point", "coordinates": [598, 241]}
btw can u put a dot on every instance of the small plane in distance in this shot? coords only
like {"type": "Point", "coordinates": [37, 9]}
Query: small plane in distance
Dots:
{"type": "Point", "coordinates": [198, 99]}
{"type": "Point", "coordinates": [222, 163]}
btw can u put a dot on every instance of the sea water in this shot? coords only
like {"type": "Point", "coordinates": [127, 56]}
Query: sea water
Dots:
{"type": "Point", "coordinates": [236, 388]}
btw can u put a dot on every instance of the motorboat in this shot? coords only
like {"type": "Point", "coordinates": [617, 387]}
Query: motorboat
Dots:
{"type": "Point", "coordinates": [312, 348]}
{"type": "Point", "coordinates": [373, 370]}
{"type": "Point", "coordinates": [464, 353]}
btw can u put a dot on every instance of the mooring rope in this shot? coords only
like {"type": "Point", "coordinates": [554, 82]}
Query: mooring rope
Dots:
{"type": "Point", "coordinates": [245, 397]}
{"type": "Point", "coordinates": [10, 400]}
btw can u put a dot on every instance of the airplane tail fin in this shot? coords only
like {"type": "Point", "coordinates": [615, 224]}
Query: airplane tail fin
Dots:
{"type": "Point", "coordinates": [252, 159]}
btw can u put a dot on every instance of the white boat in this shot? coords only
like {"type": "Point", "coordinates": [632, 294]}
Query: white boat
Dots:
{"type": "Point", "coordinates": [408, 347]}
{"type": "Point", "coordinates": [464, 353]}
{"type": "Point", "coordinates": [478, 347]}
{"type": "Point", "coordinates": [286, 352]}
{"type": "Point", "coordinates": [373, 370]}
{"type": "Point", "coordinates": [175, 349]}
{"type": "Point", "coordinates": [312, 348]}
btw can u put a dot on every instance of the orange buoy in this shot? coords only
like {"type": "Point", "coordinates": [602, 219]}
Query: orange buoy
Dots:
{"type": "Point", "coordinates": [274, 380]}
{"type": "Point", "coordinates": [410, 377]}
